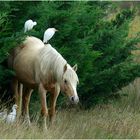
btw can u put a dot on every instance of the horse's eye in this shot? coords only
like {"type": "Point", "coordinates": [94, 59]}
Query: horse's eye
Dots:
{"type": "Point", "coordinates": [65, 81]}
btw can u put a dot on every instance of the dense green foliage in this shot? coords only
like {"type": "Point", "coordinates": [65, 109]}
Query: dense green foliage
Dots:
{"type": "Point", "coordinates": [100, 47]}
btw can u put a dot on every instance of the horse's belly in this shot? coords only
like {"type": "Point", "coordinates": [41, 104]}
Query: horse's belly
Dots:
{"type": "Point", "coordinates": [24, 69]}
{"type": "Point", "coordinates": [25, 77]}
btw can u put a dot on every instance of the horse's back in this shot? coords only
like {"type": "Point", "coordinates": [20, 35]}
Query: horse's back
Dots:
{"type": "Point", "coordinates": [33, 42]}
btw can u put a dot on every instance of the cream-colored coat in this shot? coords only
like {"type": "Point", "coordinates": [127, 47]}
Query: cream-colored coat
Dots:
{"type": "Point", "coordinates": [41, 65]}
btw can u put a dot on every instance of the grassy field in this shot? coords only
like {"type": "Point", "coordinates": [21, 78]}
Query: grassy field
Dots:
{"type": "Point", "coordinates": [117, 119]}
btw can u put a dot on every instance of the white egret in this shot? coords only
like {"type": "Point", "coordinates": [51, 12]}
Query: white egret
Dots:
{"type": "Point", "coordinates": [49, 34]}
{"type": "Point", "coordinates": [11, 117]}
{"type": "Point", "coordinates": [29, 24]}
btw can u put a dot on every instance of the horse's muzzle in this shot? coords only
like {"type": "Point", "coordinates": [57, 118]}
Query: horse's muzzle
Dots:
{"type": "Point", "coordinates": [74, 99]}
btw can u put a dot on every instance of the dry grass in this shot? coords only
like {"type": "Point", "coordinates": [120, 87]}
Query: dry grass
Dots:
{"type": "Point", "coordinates": [134, 27]}
{"type": "Point", "coordinates": [119, 119]}
{"type": "Point", "coordinates": [134, 30]}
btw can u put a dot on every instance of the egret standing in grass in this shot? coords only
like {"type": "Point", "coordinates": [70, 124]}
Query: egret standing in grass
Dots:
{"type": "Point", "coordinates": [11, 117]}
{"type": "Point", "coordinates": [49, 34]}
{"type": "Point", "coordinates": [29, 24]}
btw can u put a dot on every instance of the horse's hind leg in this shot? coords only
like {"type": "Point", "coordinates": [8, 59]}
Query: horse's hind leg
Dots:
{"type": "Point", "coordinates": [25, 103]}
{"type": "Point", "coordinates": [15, 89]}
{"type": "Point", "coordinates": [44, 110]}
{"type": "Point", "coordinates": [20, 91]}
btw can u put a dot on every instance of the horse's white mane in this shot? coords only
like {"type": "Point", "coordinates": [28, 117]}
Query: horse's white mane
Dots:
{"type": "Point", "coordinates": [50, 62]}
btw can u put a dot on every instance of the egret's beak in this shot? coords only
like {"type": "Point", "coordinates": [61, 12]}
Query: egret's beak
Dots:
{"type": "Point", "coordinates": [56, 30]}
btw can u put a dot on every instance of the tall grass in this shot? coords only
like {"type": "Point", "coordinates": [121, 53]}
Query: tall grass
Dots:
{"type": "Point", "coordinates": [119, 119]}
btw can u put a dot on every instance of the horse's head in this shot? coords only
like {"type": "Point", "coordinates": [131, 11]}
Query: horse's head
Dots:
{"type": "Point", "coordinates": [69, 83]}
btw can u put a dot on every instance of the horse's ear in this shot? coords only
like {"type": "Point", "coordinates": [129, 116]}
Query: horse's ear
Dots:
{"type": "Point", "coordinates": [65, 68]}
{"type": "Point", "coordinates": [75, 67]}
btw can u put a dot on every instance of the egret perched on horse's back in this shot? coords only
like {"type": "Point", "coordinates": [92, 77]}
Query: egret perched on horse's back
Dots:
{"type": "Point", "coordinates": [49, 34]}
{"type": "Point", "coordinates": [11, 117]}
{"type": "Point", "coordinates": [29, 24]}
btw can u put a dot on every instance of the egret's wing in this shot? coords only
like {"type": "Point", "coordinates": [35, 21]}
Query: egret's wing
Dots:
{"type": "Point", "coordinates": [48, 35]}
{"type": "Point", "coordinates": [10, 118]}
{"type": "Point", "coordinates": [25, 27]}
{"type": "Point", "coordinates": [45, 38]}
{"type": "Point", "coordinates": [28, 25]}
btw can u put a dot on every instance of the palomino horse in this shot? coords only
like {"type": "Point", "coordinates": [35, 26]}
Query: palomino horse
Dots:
{"type": "Point", "coordinates": [42, 66]}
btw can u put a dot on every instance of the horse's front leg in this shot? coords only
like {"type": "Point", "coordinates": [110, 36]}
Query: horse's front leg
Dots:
{"type": "Point", "coordinates": [44, 110]}
{"type": "Point", "coordinates": [25, 103]}
{"type": "Point", "coordinates": [54, 94]}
